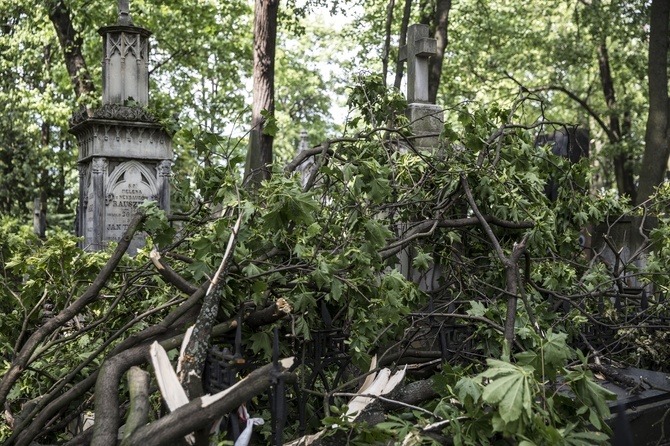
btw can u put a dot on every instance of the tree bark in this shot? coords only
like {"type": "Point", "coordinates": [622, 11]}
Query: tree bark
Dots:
{"type": "Point", "coordinates": [403, 41]}
{"type": "Point", "coordinates": [656, 148]}
{"type": "Point", "coordinates": [259, 154]}
{"type": "Point", "coordinates": [441, 24]}
{"type": "Point", "coordinates": [71, 43]}
{"type": "Point", "coordinates": [193, 361]}
{"type": "Point", "coordinates": [203, 411]}
{"type": "Point", "coordinates": [387, 40]}
{"type": "Point", "coordinates": [138, 388]}
{"type": "Point", "coordinates": [622, 161]}
{"type": "Point", "coordinates": [107, 419]}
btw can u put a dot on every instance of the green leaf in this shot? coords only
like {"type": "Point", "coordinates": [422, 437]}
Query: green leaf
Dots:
{"type": "Point", "coordinates": [335, 290]}
{"type": "Point", "coordinates": [261, 342]}
{"type": "Point", "coordinates": [377, 233]}
{"type": "Point", "coordinates": [509, 389]}
{"type": "Point", "coordinates": [422, 261]}
{"type": "Point", "coordinates": [555, 352]}
{"type": "Point", "coordinates": [468, 391]}
{"type": "Point", "coordinates": [269, 124]}
{"type": "Point", "coordinates": [476, 309]}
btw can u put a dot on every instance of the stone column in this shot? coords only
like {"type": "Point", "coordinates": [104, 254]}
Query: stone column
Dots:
{"type": "Point", "coordinates": [125, 66]}
{"type": "Point", "coordinates": [80, 219]}
{"type": "Point", "coordinates": [163, 173]}
{"type": "Point", "coordinates": [96, 204]}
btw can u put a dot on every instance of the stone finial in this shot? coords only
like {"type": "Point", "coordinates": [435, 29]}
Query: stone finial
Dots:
{"type": "Point", "coordinates": [124, 13]}
{"type": "Point", "coordinates": [417, 52]}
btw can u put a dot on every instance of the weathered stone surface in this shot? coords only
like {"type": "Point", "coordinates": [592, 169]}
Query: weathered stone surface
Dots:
{"type": "Point", "coordinates": [124, 153]}
{"type": "Point", "coordinates": [427, 121]}
{"type": "Point", "coordinates": [131, 184]}
{"type": "Point", "coordinates": [417, 52]}
{"type": "Point", "coordinates": [114, 138]}
{"type": "Point", "coordinates": [125, 65]}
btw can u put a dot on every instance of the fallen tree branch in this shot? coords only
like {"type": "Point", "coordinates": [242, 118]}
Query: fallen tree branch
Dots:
{"type": "Point", "coordinates": [22, 359]}
{"type": "Point", "coordinates": [107, 419]}
{"type": "Point", "coordinates": [193, 361]}
{"type": "Point", "coordinates": [203, 411]}
{"type": "Point", "coordinates": [509, 263]}
{"type": "Point", "coordinates": [169, 274]}
{"type": "Point", "coordinates": [426, 229]}
{"type": "Point", "coordinates": [138, 387]}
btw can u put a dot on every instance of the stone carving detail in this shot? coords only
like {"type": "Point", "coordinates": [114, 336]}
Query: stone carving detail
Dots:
{"type": "Point", "coordinates": [113, 45]}
{"type": "Point", "coordinates": [114, 111]}
{"type": "Point", "coordinates": [129, 185]}
{"type": "Point", "coordinates": [164, 168]}
{"type": "Point", "coordinates": [124, 113]}
{"type": "Point", "coordinates": [99, 165]}
{"type": "Point", "coordinates": [126, 44]}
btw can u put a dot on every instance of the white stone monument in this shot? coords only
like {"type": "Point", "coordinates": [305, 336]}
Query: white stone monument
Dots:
{"type": "Point", "coordinates": [426, 119]}
{"type": "Point", "coordinates": [125, 156]}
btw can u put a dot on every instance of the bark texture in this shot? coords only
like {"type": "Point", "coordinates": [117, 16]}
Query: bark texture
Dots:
{"type": "Point", "coordinates": [623, 169]}
{"type": "Point", "coordinates": [71, 43]}
{"type": "Point", "coordinates": [656, 148]}
{"type": "Point", "coordinates": [259, 154]}
{"type": "Point", "coordinates": [399, 66]}
{"type": "Point", "coordinates": [442, 9]}
{"type": "Point", "coordinates": [203, 411]}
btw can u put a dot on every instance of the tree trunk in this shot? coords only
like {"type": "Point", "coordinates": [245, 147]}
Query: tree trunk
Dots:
{"type": "Point", "coordinates": [403, 41]}
{"type": "Point", "coordinates": [656, 149]}
{"type": "Point", "coordinates": [436, 15]}
{"type": "Point", "coordinates": [622, 161]}
{"type": "Point", "coordinates": [259, 154]}
{"type": "Point", "coordinates": [60, 16]}
{"type": "Point", "coordinates": [387, 40]}
{"type": "Point", "coordinates": [441, 23]}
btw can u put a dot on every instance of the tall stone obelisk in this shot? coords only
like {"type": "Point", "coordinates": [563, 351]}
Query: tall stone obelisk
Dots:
{"type": "Point", "coordinates": [125, 156]}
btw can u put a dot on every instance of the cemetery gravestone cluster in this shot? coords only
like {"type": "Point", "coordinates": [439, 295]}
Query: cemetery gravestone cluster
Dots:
{"type": "Point", "coordinates": [125, 156]}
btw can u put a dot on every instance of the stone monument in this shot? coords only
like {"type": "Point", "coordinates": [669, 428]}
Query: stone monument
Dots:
{"type": "Point", "coordinates": [307, 167]}
{"type": "Point", "coordinates": [426, 118]}
{"type": "Point", "coordinates": [125, 156]}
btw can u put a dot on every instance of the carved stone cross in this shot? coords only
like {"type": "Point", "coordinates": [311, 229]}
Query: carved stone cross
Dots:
{"type": "Point", "coordinates": [418, 50]}
{"type": "Point", "coordinates": [124, 13]}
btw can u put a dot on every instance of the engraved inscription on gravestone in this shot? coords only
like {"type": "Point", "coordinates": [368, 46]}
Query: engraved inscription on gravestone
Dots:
{"type": "Point", "coordinates": [130, 184]}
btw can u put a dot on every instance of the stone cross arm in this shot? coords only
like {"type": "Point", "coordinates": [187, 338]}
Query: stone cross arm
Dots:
{"type": "Point", "coordinates": [417, 52]}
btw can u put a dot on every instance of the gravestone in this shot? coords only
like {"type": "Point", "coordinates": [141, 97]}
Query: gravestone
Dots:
{"type": "Point", "coordinates": [306, 168]}
{"type": "Point", "coordinates": [426, 118]}
{"type": "Point", "coordinates": [623, 246]}
{"type": "Point", "coordinates": [573, 143]}
{"type": "Point", "coordinates": [125, 156]}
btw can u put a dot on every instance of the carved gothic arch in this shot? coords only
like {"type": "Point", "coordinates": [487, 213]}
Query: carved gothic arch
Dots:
{"type": "Point", "coordinates": [118, 175]}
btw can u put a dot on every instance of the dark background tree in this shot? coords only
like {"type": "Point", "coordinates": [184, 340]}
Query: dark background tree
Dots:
{"type": "Point", "coordinates": [259, 155]}
{"type": "Point", "coordinates": [656, 149]}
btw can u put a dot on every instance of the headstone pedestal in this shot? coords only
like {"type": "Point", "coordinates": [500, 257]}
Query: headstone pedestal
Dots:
{"type": "Point", "coordinates": [125, 156]}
